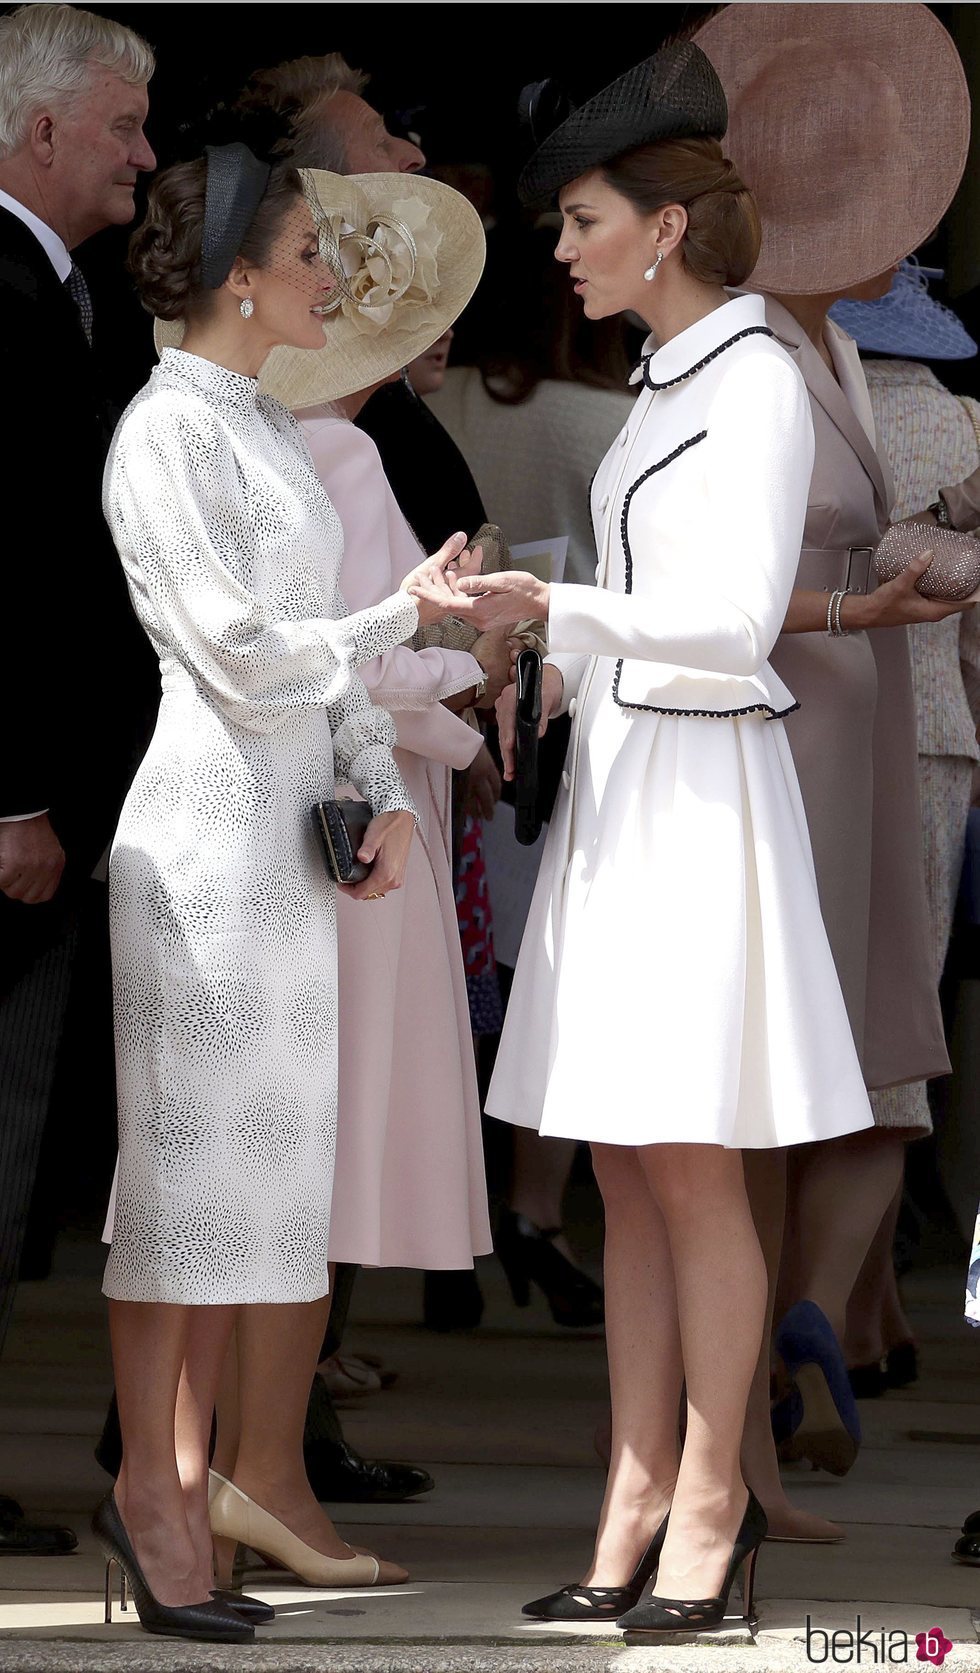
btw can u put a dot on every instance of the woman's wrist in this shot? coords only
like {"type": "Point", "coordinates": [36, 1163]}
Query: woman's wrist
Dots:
{"type": "Point", "coordinates": [557, 675]}
{"type": "Point", "coordinates": [856, 612]}
{"type": "Point", "coordinates": [461, 700]}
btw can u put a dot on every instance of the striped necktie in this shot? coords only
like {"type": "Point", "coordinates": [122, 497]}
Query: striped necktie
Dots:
{"type": "Point", "coordinates": [79, 292]}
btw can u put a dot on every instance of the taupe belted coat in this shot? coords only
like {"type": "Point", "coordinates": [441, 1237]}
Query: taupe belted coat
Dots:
{"type": "Point", "coordinates": [853, 737]}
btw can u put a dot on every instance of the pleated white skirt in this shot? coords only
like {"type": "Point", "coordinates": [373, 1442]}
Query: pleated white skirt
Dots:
{"type": "Point", "coordinates": [675, 983]}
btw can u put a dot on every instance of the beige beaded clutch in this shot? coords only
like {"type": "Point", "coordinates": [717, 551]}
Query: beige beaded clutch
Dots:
{"type": "Point", "coordinates": [954, 573]}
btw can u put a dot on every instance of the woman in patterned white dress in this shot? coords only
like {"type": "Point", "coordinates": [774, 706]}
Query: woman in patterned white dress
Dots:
{"type": "Point", "coordinates": [223, 920]}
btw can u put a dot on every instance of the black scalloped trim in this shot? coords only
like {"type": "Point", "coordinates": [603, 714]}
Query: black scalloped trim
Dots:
{"type": "Point", "coordinates": [706, 714]}
{"type": "Point", "coordinates": [656, 708]}
{"type": "Point", "coordinates": [750, 331]}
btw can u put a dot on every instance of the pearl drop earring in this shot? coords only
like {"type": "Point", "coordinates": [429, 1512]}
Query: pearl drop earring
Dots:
{"type": "Point", "coordinates": [247, 307]}
{"type": "Point", "coordinates": [651, 272]}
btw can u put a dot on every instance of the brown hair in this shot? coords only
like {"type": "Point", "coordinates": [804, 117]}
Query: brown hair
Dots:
{"type": "Point", "coordinates": [165, 251]}
{"type": "Point", "coordinates": [721, 245]}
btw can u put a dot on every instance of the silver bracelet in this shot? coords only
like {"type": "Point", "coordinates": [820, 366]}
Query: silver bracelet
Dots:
{"type": "Point", "coordinates": [838, 632]}
{"type": "Point", "coordinates": [830, 614]}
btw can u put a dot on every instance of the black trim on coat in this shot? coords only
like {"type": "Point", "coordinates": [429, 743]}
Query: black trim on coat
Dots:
{"type": "Point", "coordinates": [656, 708]}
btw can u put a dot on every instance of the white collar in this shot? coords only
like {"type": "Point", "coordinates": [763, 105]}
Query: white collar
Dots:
{"type": "Point", "coordinates": [685, 350]}
{"type": "Point", "coordinates": [46, 236]}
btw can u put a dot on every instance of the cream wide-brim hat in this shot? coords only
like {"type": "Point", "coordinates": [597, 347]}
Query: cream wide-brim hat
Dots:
{"type": "Point", "coordinates": [850, 125]}
{"type": "Point", "coordinates": [365, 345]}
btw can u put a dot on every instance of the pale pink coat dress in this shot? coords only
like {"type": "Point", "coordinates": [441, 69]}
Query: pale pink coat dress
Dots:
{"type": "Point", "coordinates": [409, 1186]}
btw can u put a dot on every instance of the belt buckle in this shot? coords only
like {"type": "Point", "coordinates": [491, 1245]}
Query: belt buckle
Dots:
{"type": "Point", "coordinates": [858, 577]}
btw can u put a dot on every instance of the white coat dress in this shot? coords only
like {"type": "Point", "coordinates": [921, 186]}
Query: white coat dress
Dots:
{"type": "Point", "coordinates": [223, 921]}
{"type": "Point", "coordinates": [675, 983]}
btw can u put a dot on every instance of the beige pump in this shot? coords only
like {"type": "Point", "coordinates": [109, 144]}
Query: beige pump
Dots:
{"type": "Point", "coordinates": [235, 1516]}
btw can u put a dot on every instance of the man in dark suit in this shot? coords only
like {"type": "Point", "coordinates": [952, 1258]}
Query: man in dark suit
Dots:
{"type": "Point", "coordinates": [74, 671]}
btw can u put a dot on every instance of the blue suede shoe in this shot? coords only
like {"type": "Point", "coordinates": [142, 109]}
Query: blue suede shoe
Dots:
{"type": "Point", "coordinates": [829, 1428]}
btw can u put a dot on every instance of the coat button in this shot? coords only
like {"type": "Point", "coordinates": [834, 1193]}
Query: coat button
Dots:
{"type": "Point", "coordinates": [604, 503]}
{"type": "Point", "coordinates": [566, 779]}
{"type": "Point", "coordinates": [573, 705]}
{"type": "Point", "coordinates": [624, 438]}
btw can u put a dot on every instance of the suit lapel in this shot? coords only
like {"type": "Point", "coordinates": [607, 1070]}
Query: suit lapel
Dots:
{"type": "Point", "coordinates": [842, 401]}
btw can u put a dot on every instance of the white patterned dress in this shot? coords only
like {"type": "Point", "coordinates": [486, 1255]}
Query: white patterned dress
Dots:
{"type": "Point", "coordinates": [223, 919]}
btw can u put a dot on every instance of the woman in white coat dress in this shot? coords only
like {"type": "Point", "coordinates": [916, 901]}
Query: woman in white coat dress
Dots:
{"type": "Point", "coordinates": [223, 918]}
{"type": "Point", "coordinates": [675, 999]}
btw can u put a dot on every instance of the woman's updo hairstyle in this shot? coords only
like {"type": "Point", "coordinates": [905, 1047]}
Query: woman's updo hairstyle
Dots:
{"type": "Point", "coordinates": [165, 251]}
{"type": "Point", "coordinates": [721, 245]}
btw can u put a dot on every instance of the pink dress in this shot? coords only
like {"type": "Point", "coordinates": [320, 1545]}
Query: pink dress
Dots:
{"type": "Point", "coordinates": [409, 1186]}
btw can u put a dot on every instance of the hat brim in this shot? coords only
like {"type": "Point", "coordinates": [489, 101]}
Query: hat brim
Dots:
{"type": "Point", "coordinates": [919, 329]}
{"type": "Point", "coordinates": [853, 162]}
{"type": "Point", "coordinates": [352, 359]}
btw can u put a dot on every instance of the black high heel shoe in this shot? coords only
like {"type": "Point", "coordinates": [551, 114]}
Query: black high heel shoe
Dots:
{"type": "Point", "coordinates": [528, 1256]}
{"type": "Point", "coordinates": [209, 1621]}
{"type": "Point", "coordinates": [251, 1609]}
{"type": "Point", "coordinates": [668, 1614]}
{"type": "Point", "coordinates": [600, 1603]}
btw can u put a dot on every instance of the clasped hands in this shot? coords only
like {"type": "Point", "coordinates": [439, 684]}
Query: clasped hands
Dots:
{"type": "Point", "coordinates": [450, 584]}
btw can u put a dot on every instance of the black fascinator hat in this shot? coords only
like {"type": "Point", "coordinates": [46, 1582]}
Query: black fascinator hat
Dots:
{"type": "Point", "coordinates": [241, 148]}
{"type": "Point", "coordinates": [674, 94]}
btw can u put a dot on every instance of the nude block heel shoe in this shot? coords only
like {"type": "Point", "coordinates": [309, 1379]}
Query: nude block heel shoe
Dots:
{"type": "Point", "coordinates": [234, 1516]}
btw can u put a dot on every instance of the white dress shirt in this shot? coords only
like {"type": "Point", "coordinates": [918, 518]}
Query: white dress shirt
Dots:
{"type": "Point", "coordinates": [57, 253]}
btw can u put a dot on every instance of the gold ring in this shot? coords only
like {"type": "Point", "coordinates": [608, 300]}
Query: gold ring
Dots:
{"type": "Point", "coordinates": [374, 897]}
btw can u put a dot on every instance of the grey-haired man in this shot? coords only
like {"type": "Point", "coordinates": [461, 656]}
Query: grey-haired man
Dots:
{"type": "Point", "coordinates": [73, 101]}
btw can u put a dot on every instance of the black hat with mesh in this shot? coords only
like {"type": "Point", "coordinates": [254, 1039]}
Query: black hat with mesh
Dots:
{"type": "Point", "coordinates": [675, 94]}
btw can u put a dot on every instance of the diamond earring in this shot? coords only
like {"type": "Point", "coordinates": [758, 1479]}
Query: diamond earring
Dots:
{"type": "Point", "coordinates": [247, 307]}
{"type": "Point", "coordinates": [651, 272]}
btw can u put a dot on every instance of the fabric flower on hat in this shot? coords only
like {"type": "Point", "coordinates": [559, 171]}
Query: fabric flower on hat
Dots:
{"type": "Point", "coordinates": [387, 274]}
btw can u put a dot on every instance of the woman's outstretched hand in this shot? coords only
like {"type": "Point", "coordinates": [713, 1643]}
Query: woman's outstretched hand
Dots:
{"type": "Point", "coordinates": [433, 583]}
{"type": "Point", "coordinates": [385, 848]}
{"type": "Point", "coordinates": [487, 601]}
{"type": "Point", "coordinates": [552, 687]}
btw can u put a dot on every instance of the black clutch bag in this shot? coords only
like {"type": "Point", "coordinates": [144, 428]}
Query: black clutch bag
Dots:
{"type": "Point", "coordinates": [527, 821]}
{"type": "Point", "coordinates": [340, 827]}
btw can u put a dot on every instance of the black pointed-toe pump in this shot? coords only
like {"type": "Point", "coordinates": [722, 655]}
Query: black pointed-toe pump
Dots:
{"type": "Point", "coordinates": [600, 1603]}
{"type": "Point", "coordinates": [668, 1614]}
{"type": "Point", "coordinates": [208, 1621]}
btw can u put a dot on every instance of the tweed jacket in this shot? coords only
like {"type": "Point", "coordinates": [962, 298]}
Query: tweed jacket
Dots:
{"type": "Point", "coordinates": [930, 436]}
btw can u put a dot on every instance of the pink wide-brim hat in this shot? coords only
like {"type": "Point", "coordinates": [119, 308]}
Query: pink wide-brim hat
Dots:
{"type": "Point", "coordinates": [850, 124]}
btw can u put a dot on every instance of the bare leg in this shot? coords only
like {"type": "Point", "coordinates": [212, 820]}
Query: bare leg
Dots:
{"type": "Point", "coordinates": [148, 1345]}
{"type": "Point", "coordinates": [720, 1282]}
{"type": "Point", "coordinates": [277, 1356]}
{"type": "Point", "coordinates": [875, 1318]}
{"type": "Point", "coordinates": [645, 1374]}
{"type": "Point", "coordinates": [765, 1181]}
{"type": "Point", "coordinates": [540, 1171]}
{"type": "Point", "coordinates": [209, 1332]}
{"type": "Point", "coordinates": [228, 1411]}
{"type": "Point", "coordinates": [840, 1190]}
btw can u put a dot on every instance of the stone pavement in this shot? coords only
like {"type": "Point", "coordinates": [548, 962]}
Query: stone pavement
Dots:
{"type": "Point", "coordinates": [504, 1418]}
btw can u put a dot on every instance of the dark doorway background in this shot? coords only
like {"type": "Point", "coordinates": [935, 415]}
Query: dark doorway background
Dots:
{"type": "Point", "coordinates": [452, 72]}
